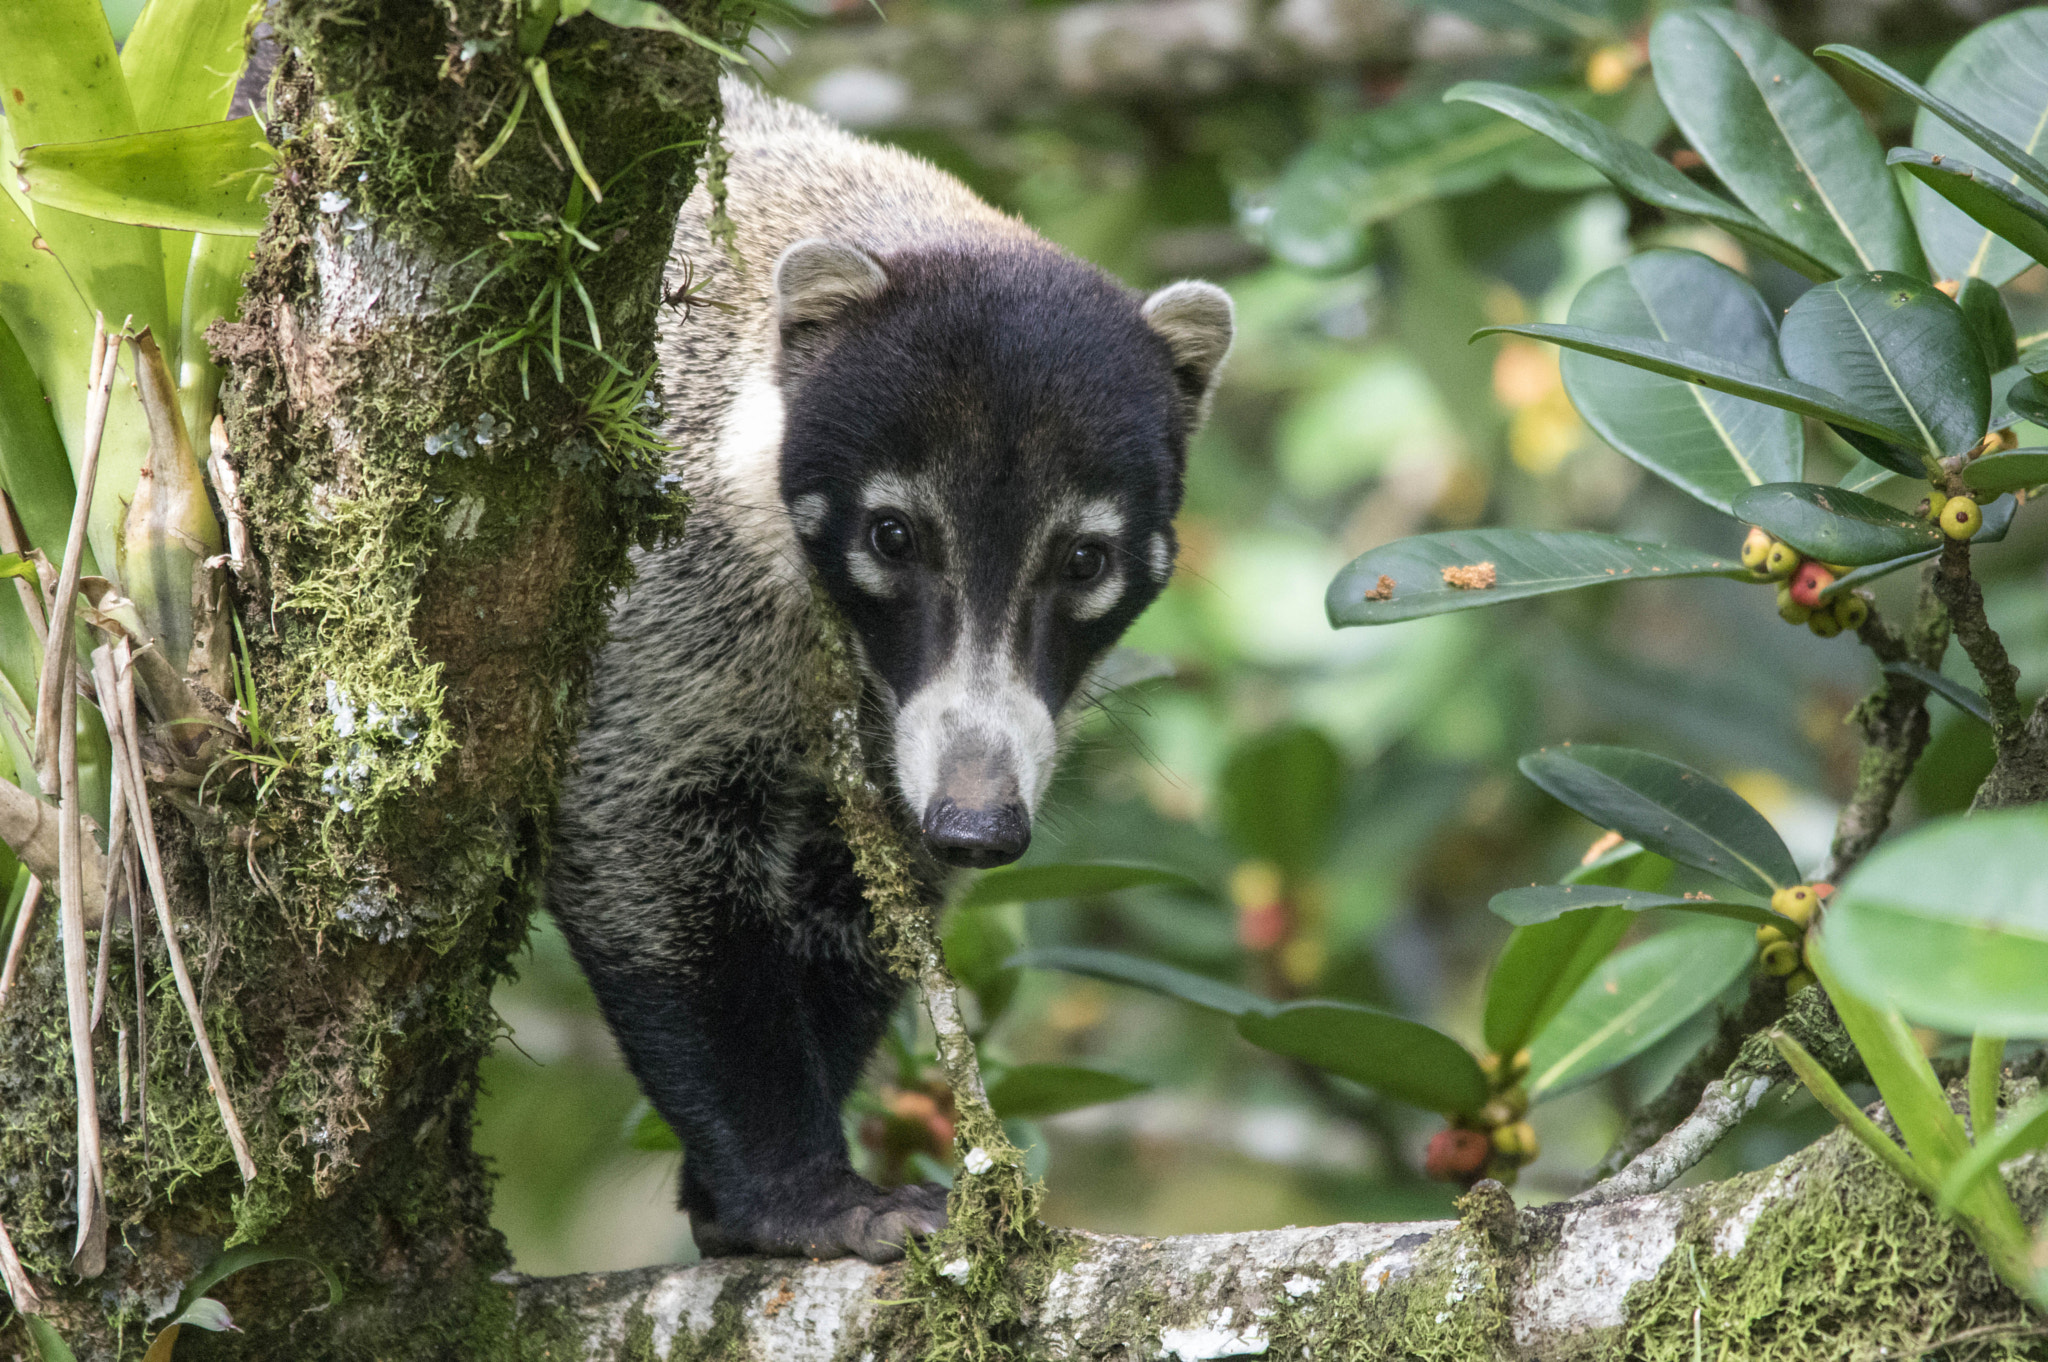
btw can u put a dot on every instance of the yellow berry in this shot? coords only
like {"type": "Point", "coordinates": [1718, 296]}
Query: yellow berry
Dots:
{"type": "Point", "coordinates": [1525, 1136]}
{"type": "Point", "coordinates": [1961, 518]}
{"type": "Point", "coordinates": [1779, 958]}
{"type": "Point", "coordinates": [1781, 560]}
{"type": "Point", "coordinates": [1798, 981]}
{"type": "Point", "coordinates": [1519, 1065]}
{"type": "Point", "coordinates": [1936, 499]}
{"type": "Point", "coordinates": [1504, 1141]}
{"type": "Point", "coordinates": [1826, 625]}
{"type": "Point", "coordinates": [1797, 902]}
{"type": "Point", "coordinates": [1756, 547]}
{"type": "Point", "coordinates": [1768, 935]}
{"type": "Point", "coordinates": [1851, 611]}
{"type": "Point", "coordinates": [1789, 610]}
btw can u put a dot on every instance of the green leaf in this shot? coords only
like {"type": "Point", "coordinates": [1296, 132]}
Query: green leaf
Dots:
{"type": "Point", "coordinates": [1027, 1092]}
{"type": "Point", "coordinates": [1866, 474]}
{"type": "Point", "coordinates": [1784, 138]}
{"type": "Point", "coordinates": [1950, 924]}
{"type": "Point", "coordinates": [250, 1255]}
{"type": "Point", "coordinates": [1118, 968]}
{"type": "Point", "coordinates": [1633, 1000]}
{"type": "Point", "coordinates": [1584, 21]}
{"type": "Point", "coordinates": [1539, 969]}
{"type": "Point", "coordinates": [1375, 164]}
{"type": "Point", "coordinates": [48, 1342]}
{"type": "Point", "coordinates": [1990, 324]}
{"type": "Point", "coordinates": [1982, 132]}
{"type": "Point", "coordinates": [1998, 518]}
{"type": "Point", "coordinates": [1836, 525]}
{"type": "Point", "coordinates": [211, 177]}
{"type": "Point", "coordinates": [34, 468]}
{"type": "Point", "coordinates": [1278, 797]}
{"type": "Point", "coordinates": [1634, 168]}
{"type": "Point", "coordinates": [2024, 1129]}
{"type": "Point", "coordinates": [1899, 350]}
{"type": "Point", "coordinates": [1670, 808]}
{"type": "Point", "coordinates": [1707, 444]}
{"type": "Point", "coordinates": [976, 946]}
{"type": "Point", "coordinates": [1955, 692]}
{"type": "Point", "coordinates": [1066, 880]}
{"type": "Point", "coordinates": [1697, 366]}
{"type": "Point", "coordinates": [646, 1130]}
{"type": "Point", "coordinates": [647, 15]}
{"type": "Point", "coordinates": [2007, 472]}
{"type": "Point", "coordinates": [205, 1313]}
{"type": "Point", "coordinates": [1404, 1060]}
{"type": "Point", "coordinates": [1548, 902]}
{"type": "Point", "coordinates": [1996, 206]}
{"type": "Point", "coordinates": [2029, 398]}
{"type": "Point", "coordinates": [1405, 580]}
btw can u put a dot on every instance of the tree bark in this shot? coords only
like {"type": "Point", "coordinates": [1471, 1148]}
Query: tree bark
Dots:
{"type": "Point", "coordinates": [436, 536]}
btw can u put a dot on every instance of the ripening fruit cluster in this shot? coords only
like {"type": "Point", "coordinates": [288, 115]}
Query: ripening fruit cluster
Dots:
{"type": "Point", "coordinates": [1801, 580]}
{"type": "Point", "coordinates": [1783, 956]}
{"type": "Point", "coordinates": [1497, 1140]}
{"type": "Point", "coordinates": [1959, 517]}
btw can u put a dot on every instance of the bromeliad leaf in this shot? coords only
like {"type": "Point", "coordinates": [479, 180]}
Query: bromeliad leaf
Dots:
{"type": "Point", "coordinates": [1539, 969]}
{"type": "Point", "coordinates": [1633, 1000]}
{"type": "Point", "coordinates": [1784, 138]}
{"type": "Point", "coordinates": [1706, 443]}
{"type": "Point", "coordinates": [1995, 205]}
{"type": "Point", "coordinates": [2024, 1130]}
{"type": "Point", "coordinates": [1836, 525]}
{"type": "Point", "coordinates": [1898, 349]}
{"type": "Point", "coordinates": [1711, 371]}
{"type": "Point", "coordinates": [1030, 883]}
{"type": "Point", "coordinates": [1433, 574]}
{"type": "Point", "coordinates": [1670, 808]}
{"type": "Point", "coordinates": [1405, 1060]}
{"type": "Point", "coordinates": [1547, 902]}
{"type": "Point", "coordinates": [1118, 968]}
{"type": "Point", "coordinates": [1635, 169]}
{"type": "Point", "coordinates": [1950, 924]}
{"type": "Point", "coordinates": [211, 177]}
{"type": "Point", "coordinates": [2007, 472]}
{"type": "Point", "coordinates": [1026, 1092]}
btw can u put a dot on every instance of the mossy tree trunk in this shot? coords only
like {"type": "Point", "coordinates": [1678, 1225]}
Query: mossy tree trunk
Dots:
{"type": "Point", "coordinates": [438, 523]}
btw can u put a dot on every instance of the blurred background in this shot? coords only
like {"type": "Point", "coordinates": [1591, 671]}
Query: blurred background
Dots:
{"type": "Point", "coordinates": [1297, 152]}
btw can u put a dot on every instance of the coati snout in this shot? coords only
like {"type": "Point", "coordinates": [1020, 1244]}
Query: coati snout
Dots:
{"type": "Point", "coordinates": [973, 444]}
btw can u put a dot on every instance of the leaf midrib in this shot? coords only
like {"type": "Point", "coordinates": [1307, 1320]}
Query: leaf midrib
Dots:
{"type": "Point", "coordinates": [1681, 819]}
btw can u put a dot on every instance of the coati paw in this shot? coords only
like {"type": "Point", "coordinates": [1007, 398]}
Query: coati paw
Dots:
{"type": "Point", "coordinates": [874, 1225]}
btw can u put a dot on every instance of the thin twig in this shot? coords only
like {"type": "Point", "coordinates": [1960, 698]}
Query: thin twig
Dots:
{"type": "Point", "coordinates": [1723, 1105]}
{"type": "Point", "coordinates": [23, 921]}
{"type": "Point", "coordinates": [2020, 774]}
{"type": "Point", "coordinates": [18, 1287]}
{"type": "Point", "coordinates": [117, 850]}
{"type": "Point", "coordinates": [127, 748]}
{"type": "Point", "coordinates": [63, 623]}
{"type": "Point", "coordinates": [1894, 724]}
{"type": "Point", "coordinates": [89, 1256]}
{"type": "Point", "coordinates": [137, 923]}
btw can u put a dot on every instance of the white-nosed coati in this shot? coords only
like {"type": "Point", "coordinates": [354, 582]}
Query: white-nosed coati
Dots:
{"type": "Point", "coordinates": [974, 443]}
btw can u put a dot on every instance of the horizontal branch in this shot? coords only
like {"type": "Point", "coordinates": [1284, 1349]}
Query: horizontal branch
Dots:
{"type": "Point", "coordinates": [1539, 1283]}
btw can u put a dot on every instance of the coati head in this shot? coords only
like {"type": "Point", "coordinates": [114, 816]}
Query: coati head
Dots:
{"type": "Point", "coordinates": [982, 456]}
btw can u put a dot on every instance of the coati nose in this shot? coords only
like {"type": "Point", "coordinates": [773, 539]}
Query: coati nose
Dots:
{"type": "Point", "coordinates": [976, 838]}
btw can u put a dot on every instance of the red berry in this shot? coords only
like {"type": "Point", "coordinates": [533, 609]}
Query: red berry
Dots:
{"type": "Point", "coordinates": [1455, 1155]}
{"type": "Point", "coordinates": [1807, 584]}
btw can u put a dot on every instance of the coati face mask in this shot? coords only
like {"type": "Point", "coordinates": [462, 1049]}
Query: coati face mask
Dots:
{"type": "Point", "coordinates": [982, 458]}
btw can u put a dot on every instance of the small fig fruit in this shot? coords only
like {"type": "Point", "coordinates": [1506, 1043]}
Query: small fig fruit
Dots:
{"type": "Point", "coordinates": [1798, 981]}
{"type": "Point", "coordinates": [1851, 611]}
{"type": "Point", "coordinates": [1824, 624]}
{"type": "Point", "coordinates": [1455, 1155]}
{"type": "Point", "coordinates": [1768, 935]}
{"type": "Point", "coordinates": [1781, 560]}
{"type": "Point", "coordinates": [1756, 547]}
{"type": "Point", "coordinates": [1797, 902]}
{"type": "Point", "coordinates": [1961, 518]}
{"type": "Point", "coordinates": [1789, 610]}
{"type": "Point", "coordinates": [1808, 582]}
{"type": "Point", "coordinates": [1779, 958]}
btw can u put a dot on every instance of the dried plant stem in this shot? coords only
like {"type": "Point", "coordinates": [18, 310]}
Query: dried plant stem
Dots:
{"type": "Point", "coordinates": [132, 874]}
{"type": "Point", "coordinates": [63, 622]}
{"type": "Point", "coordinates": [120, 712]}
{"type": "Point", "coordinates": [24, 921]}
{"type": "Point", "coordinates": [89, 1256]}
{"type": "Point", "coordinates": [11, 1272]}
{"type": "Point", "coordinates": [118, 852]}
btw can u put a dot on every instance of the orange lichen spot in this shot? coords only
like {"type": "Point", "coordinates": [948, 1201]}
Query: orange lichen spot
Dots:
{"type": "Point", "coordinates": [1471, 576]}
{"type": "Point", "coordinates": [1383, 590]}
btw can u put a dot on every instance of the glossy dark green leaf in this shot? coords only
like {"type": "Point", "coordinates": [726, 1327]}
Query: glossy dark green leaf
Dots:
{"type": "Point", "coordinates": [1584, 21]}
{"type": "Point", "coordinates": [1634, 168]}
{"type": "Point", "coordinates": [1995, 205]}
{"type": "Point", "coordinates": [1548, 902]}
{"type": "Point", "coordinates": [1784, 138]}
{"type": "Point", "coordinates": [1117, 968]}
{"type": "Point", "coordinates": [1707, 444]}
{"type": "Point", "coordinates": [1634, 999]}
{"type": "Point", "coordinates": [1407, 579]}
{"type": "Point", "coordinates": [1985, 313]}
{"type": "Point", "coordinates": [1670, 808]}
{"type": "Point", "coordinates": [1278, 797]}
{"type": "Point", "coordinates": [209, 178]}
{"type": "Point", "coordinates": [2007, 472]}
{"type": "Point", "coordinates": [1027, 1092]}
{"type": "Point", "coordinates": [1983, 133]}
{"type": "Point", "coordinates": [2029, 398]}
{"type": "Point", "coordinates": [1955, 692]}
{"type": "Point", "coordinates": [1950, 924]}
{"type": "Point", "coordinates": [1538, 970]}
{"type": "Point", "coordinates": [1066, 880]}
{"type": "Point", "coordinates": [1834, 524]}
{"type": "Point", "coordinates": [1898, 349]}
{"type": "Point", "coordinates": [1402, 1059]}
{"type": "Point", "coordinates": [1999, 73]}
{"type": "Point", "coordinates": [1998, 517]}
{"type": "Point", "coordinates": [1712, 371]}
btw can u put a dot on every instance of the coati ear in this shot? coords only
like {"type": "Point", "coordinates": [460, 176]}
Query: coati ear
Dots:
{"type": "Point", "coordinates": [816, 280]}
{"type": "Point", "coordinates": [1197, 322]}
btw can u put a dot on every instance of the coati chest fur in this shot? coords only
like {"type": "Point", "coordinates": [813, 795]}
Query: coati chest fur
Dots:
{"type": "Point", "coordinates": [973, 445]}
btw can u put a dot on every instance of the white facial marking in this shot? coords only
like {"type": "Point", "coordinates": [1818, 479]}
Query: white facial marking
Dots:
{"type": "Point", "coordinates": [808, 512]}
{"type": "Point", "coordinates": [976, 699]}
{"type": "Point", "coordinates": [748, 463]}
{"type": "Point", "coordinates": [1161, 559]}
{"type": "Point", "coordinates": [1099, 517]}
{"type": "Point", "coordinates": [869, 575]}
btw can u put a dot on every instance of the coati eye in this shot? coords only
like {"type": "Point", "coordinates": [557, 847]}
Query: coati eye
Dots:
{"type": "Point", "coordinates": [1084, 563]}
{"type": "Point", "coordinates": [890, 538]}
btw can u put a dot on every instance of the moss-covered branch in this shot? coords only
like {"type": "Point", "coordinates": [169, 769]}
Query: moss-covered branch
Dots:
{"type": "Point", "coordinates": [2020, 774]}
